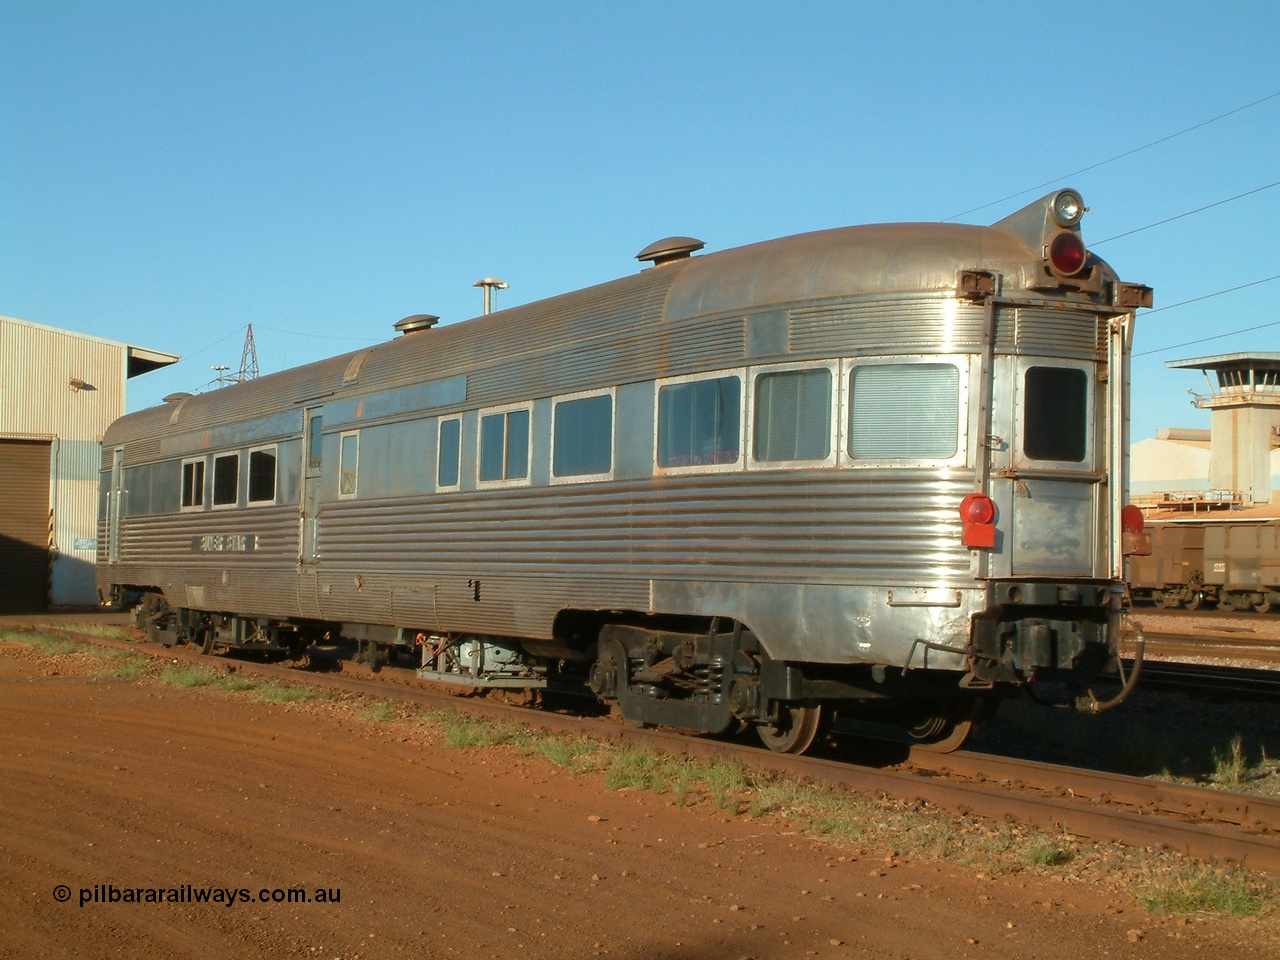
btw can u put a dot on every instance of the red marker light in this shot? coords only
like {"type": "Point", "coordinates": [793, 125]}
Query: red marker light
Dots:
{"type": "Point", "coordinates": [1133, 541]}
{"type": "Point", "coordinates": [977, 508]}
{"type": "Point", "coordinates": [978, 512]}
{"type": "Point", "coordinates": [1066, 254]}
{"type": "Point", "coordinates": [1132, 520]}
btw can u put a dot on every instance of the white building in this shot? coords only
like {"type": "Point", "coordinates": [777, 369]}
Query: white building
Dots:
{"type": "Point", "coordinates": [59, 390]}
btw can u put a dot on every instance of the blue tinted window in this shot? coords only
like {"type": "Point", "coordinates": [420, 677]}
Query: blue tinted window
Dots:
{"type": "Point", "coordinates": [583, 437]}
{"type": "Point", "coordinates": [699, 422]}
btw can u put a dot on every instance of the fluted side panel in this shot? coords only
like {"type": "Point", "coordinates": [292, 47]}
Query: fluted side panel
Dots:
{"type": "Point", "coordinates": [1055, 333]}
{"type": "Point", "coordinates": [931, 325]}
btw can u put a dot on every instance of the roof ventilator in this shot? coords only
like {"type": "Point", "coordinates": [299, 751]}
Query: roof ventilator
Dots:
{"type": "Point", "coordinates": [416, 323]}
{"type": "Point", "coordinates": [669, 250]}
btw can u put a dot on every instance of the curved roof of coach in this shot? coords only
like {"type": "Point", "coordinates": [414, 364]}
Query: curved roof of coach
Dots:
{"type": "Point", "coordinates": [891, 259]}
{"type": "Point", "coordinates": [888, 258]}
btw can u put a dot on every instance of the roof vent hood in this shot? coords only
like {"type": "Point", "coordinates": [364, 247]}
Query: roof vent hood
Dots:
{"type": "Point", "coordinates": [669, 250]}
{"type": "Point", "coordinates": [416, 323]}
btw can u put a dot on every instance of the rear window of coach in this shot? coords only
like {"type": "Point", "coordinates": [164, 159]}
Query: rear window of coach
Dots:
{"type": "Point", "coordinates": [1056, 414]}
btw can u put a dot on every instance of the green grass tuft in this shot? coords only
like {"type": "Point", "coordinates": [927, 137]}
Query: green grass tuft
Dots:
{"type": "Point", "coordinates": [382, 711]}
{"type": "Point", "coordinates": [1198, 889]}
{"type": "Point", "coordinates": [48, 643]}
{"type": "Point", "coordinates": [131, 666]}
{"type": "Point", "coordinates": [188, 675]}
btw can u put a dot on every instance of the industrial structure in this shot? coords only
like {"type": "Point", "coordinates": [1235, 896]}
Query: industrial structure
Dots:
{"type": "Point", "coordinates": [1236, 463]}
{"type": "Point", "coordinates": [59, 390]}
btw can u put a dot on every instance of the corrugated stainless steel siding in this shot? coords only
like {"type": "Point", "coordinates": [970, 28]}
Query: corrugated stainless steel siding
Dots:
{"type": "Point", "coordinates": [493, 351]}
{"type": "Point", "coordinates": [1056, 333]}
{"type": "Point", "coordinates": [536, 551]}
{"type": "Point", "coordinates": [845, 526]}
{"type": "Point", "coordinates": [906, 325]}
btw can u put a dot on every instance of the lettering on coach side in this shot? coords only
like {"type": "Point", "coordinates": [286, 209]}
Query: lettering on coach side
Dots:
{"type": "Point", "coordinates": [225, 543]}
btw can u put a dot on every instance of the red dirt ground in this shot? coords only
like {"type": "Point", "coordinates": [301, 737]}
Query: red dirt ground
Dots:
{"type": "Point", "coordinates": [468, 854]}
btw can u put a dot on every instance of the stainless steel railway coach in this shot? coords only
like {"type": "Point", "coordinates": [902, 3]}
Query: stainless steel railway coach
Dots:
{"type": "Point", "coordinates": [877, 469]}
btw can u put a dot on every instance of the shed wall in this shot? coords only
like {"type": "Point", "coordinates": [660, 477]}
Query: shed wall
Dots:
{"type": "Point", "coordinates": [62, 389]}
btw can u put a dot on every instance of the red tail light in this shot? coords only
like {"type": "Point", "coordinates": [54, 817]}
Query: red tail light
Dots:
{"type": "Point", "coordinates": [978, 512]}
{"type": "Point", "coordinates": [1133, 541]}
{"type": "Point", "coordinates": [1132, 520]}
{"type": "Point", "coordinates": [1066, 254]}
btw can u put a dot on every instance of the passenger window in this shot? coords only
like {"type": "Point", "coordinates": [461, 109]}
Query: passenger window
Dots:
{"type": "Point", "coordinates": [348, 465]}
{"type": "Point", "coordinates": [1056, 414]}
{"type": "Point", "coordinates": [504, 445]}
{"type": "Point", "coordinates": [193, 484]}
{"type": "Point", "coordinates": [262, 475]}
{"type": "Point", "coordinates": [582, 429]}
{"type": "Point", "coordinates": [904, 410]}
{"type": "Point", "coordinates": [792, 413]}
{"type": "Point", "coordinates": [226, 480]}
{"type": "Point", "coordinates": [700, 422]}
{"type": "Point", "coordinates": [315, 440]}
{"type": "Point", "coordinates": [448, 453]}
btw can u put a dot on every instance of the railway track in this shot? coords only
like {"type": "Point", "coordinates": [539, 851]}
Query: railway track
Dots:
{"type": "Point", "coordinates": [1198, 822]}
{"type": "Point", "coordinates": [1217, 680]}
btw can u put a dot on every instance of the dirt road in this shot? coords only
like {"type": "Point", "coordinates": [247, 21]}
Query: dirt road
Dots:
{"type": "Point", "coordinates": [114, 787]}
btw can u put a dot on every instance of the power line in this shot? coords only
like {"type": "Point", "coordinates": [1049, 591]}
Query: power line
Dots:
{"type": "Point", "coordinates": [1218, 336]}
{"type": "Point", "coordinates": [319, 336]}
{"type": "Point", "coordinates": [1119, 156]}
{"type": "Point", "coordinates": [1208, 206]}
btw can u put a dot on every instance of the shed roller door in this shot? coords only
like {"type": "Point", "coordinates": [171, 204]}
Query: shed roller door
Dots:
{"type": "Point", "coordinates": [24, 525]}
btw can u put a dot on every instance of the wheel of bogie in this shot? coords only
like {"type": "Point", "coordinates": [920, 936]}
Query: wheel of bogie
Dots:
{"type": "Point", "coordinates": [152, 616]}
{"type": "Point", "coordinates": [795, 731]}
{"type": "Point", "coordinates": [1167, 599]}
{"type": "Point", "coordinates": [1262, 606]}
{"type": "Point", "coordinates": [946, 731]}
{"type": "Point", "coordinates": [1192, 602]}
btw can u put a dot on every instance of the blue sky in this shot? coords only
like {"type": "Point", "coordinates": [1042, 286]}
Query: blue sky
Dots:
{"type": "Point", "coordinates": [173, 171]}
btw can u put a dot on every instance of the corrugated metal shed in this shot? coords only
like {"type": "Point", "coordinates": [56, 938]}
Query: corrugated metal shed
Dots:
{"type": "Point", "coordinates": [65, 388]}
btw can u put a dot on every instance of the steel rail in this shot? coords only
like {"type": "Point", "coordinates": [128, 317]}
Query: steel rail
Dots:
{"type": "Point", "coordinates": [1145, 797]}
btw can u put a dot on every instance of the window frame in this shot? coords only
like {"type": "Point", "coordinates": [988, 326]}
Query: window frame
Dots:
{"type": "Point", "coordinates": [847, 368]}
{"type": "Point", "coordinates": [1021, 460]}
{"type": "Point", "coordinates": [612, 394]}
{"type": "Point", "coordinates": [213, 483]}
{"type": "Point", "coordinates": [754, 374]}
{"type": "Point", "coordinates": [313, 442]}
{"type": "Point", "coordinates": [457, 452]}
{"type": "Point", "coordinates": [733, 467]}
{"type": "Point", "coordinates": [274, 450]}
{"type": "Point", "coordinates": [342, 439]}
{"type": "Point", "coordinates": [202, 490]}
{"type": "Point", "coordinates": [505, 412]}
